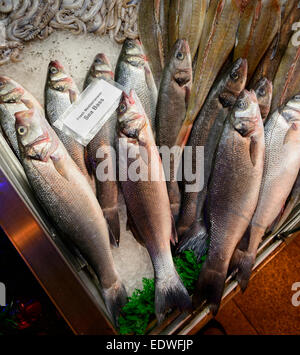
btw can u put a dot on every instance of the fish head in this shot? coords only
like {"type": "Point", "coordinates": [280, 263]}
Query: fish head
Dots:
{"type": "Point", "coordinates": [101, 67]}
{"type": "Point", "coordinates": [35, 139]}
{"type": "Point", "coordinates": [235, 81]}
{"type": "Point", "coordinates": [181, 63]}
{"type": "Point", "coordinates": [58, 79]}
{"type": "Point", "coordinates": [246, 117]}
{"type": "Point", "coordinates": [133, 54]}
{"type": "Point", "coordinates": [10, 91]}
{"type": "Point", "coordinates": [263, 90]}
{"type": "Point", "coordinates": [131, 117]}
{"type": "Point", "coordinates": [291, 110]}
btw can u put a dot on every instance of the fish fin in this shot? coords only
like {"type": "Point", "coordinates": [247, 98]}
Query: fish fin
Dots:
{"type": "Point", "coordinates": [253, 151]}
{"type": "Point", "coordinates": [244, 264]}
{"type": "Point", "coordinates": [291, 134]}
{"type": "Point", "coordinates": [112, 218]}
{"type": "Point", "coordinates": [72, 95]}
{"type": "Point", "coordinates": [170, 292]}
{"type": "Point", "coordinates": [196, 239]}
{"type": "Point", "coordinates": [149, 77]}
{"type": "Point", "coordinates": [210, 287]}
{"type": "Point", "coordinates": [187, 96]}
{"type": "Point", "coordinates": [115, 298]}
{"type": "Point", "coordinates": [174, 237]}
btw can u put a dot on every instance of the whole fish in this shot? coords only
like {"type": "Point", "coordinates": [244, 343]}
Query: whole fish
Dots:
{"type": "Point", "coordinates": [259, 24]}
{"type": "Point", "coordinates": [99, 151]}
{"type": "Point", "coordinates": [133, 72]}
{"type": "Point", "coordinates": [69, 200]}
{"type": "Point", "coordinates": [282, 162]}
{"type": "Point", "coordinates": [238, 166]}
{"type": "Point", "coordinates": [217, 41]}
{"type": "Point", "coordinates": [287, 79]}
{"type": "Point", "coordinates": [148, 206]}
{"type": "Point", "coordinates": [186, 20]}
{"type": "Point", "coordinates": [153, 32]}
{"type": "Point", "coordinates": [292, 202]}
{"type": "Point", "coordinates": [271, 60]}
{"type": "Point", "coordinates": [11, 96]}
{"type": "Point", "coordinates": [206, 132]}
{"type": "Point", "coordinates": [60, 93]}
{"type": "Point", "coordinates": [263, 90]}
{"type": "Point", "coordinates": [173, 96]}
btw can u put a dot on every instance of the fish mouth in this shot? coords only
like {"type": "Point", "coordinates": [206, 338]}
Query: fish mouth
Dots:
{"type": "Point", "coordinates": [13, 96]}
{"type": "Point", "coordinates": [245, 131]}
{"type": "Point", "coordinates": [45, 138]}
{"type": "Point", "coordinates": [182, 77]}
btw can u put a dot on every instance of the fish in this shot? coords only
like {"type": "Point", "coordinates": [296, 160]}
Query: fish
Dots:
{"type": "Point", "coordinates": [281, 167]}
{"type": "Point", "coordinates": [259, 24]}
{"type": "Point", "coordinates": [173, 96]}
{"type": "Point", "coordinates": [217, 41]}
{"type": "Point", "coordinates": [238, 166]}
{"type": "Point", "coordinates": [11, 96]}
{"type": "Point", "coordinates": [269, 64]}
{"type": "Point", "coordinates": [186, 20]}
{"type": "Point", "coordinates": [263, 90]}
{"type": "Point", "coordinates": [153, 18]}
{"type": "Point", "coordinates": [147, 202]}
{"type": "Point", "coordinates": [60, 93]}
{"type": "Point", "coordinates": [103, 143]}
{"type": "Point", "coordinates": [206, 132]}
{"type": "Point", "coordinates": [69, 200]}
{"type": "Point", "coordinates": [287, 79]}
{"type": "Point", "coordinates": [133, 72]}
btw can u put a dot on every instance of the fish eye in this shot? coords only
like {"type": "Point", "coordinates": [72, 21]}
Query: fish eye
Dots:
{"type": "Point", "coordinates": [98, 61]}
{"type": "Point", "coordinates": [234, 75]}
{"type": "Point", "coordinates": [261, 92]}
{"type": "Point", "coordinates": [130, 44]}
{"type": "Point", "coordinates": [2, 83]}
{"type": "Point", "coordinates": [22, 130]}
{"type": "Point", "coordinates": [53, 70]}
{"type": "Point", "coordinates": [241, 104]}
{"type": "Point", "coordinates": [297, 97]}
{"type": "Point", "coordinates": [180, 56]}
{"type": "Point", "coordinates": [122, 107]}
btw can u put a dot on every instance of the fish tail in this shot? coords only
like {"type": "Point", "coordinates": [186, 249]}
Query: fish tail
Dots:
{"type": "Point", "coordinates": [112, 218]}
{"type": "Point", "coordinates": [195, 239]}
{"type": "Point", "coordinates": [115, 299]}
{"type": "Point", "coordinates": [170, 292]}
{"type": "Point", "coordinates": [245, 266]}
{"type": "Point", "coordinates": [210, 287]}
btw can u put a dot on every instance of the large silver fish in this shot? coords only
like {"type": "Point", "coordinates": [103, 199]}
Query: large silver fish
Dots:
{"type": "Point", "coordinates": [68, 198]}
{"type": "Point", "coordinates": [149, 215]}
{"type": "Point", "coordinates": [60, 93]}
{"type": "Point", "coordinates": [11, 96]}
{"type": "Point", "coordinates": [282, 162]}
{"type": "Point", "coordinates": [103, 143]}
{"type": "Point", "coordinates": [206, 132]}
{"type": "Point", "coordinates": [232, 195]}
{"type": "Point", "coordinates": [133, 72]}
{"type": "Point", "coordinates": [172, 102]}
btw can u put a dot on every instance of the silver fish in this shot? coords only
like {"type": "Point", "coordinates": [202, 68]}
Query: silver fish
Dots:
{"type": "Point", "coordinates": [60, 93]}
{"type": "Point", "coordinates": [232, 195]}
{"type": "Point", "coordinates": [103, 142]}
{"type": "Point", "coordinates": [133, 72]}
{"type": "Point", "coordinates": [69, 200]}
{"type": "Point", "coordinates": [282, 162]}
{"type": "Point", "coordinates": [148, 206]}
